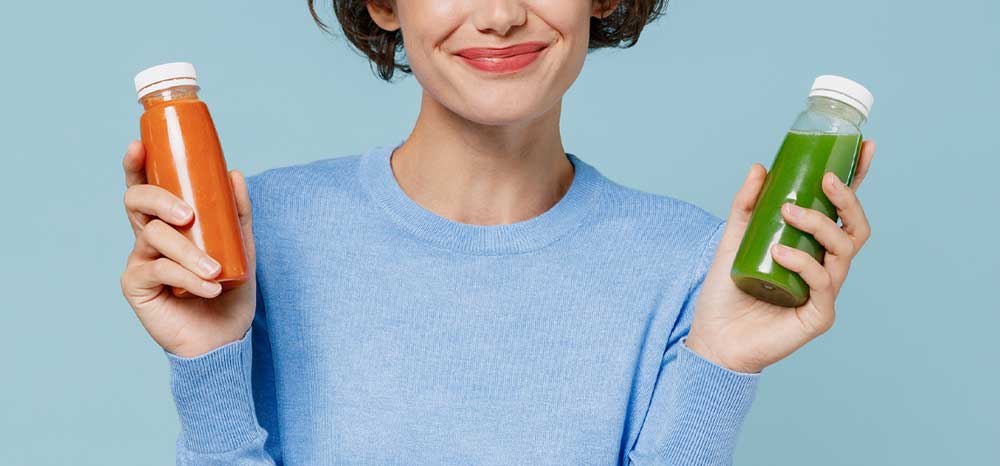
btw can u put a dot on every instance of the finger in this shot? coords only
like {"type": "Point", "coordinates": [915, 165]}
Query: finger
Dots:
{"type": "Point", "coordinates": [834, 239]}
{"type": "Point", "coordinates": [134, 164]}
{"type": "Point", "coordinates": [154, 274]}
{"type": "Point", "coordinates": [864, 162]}
{"type": "Point", "coordinates": [159, 239]}
{"type": "Point", "coordinates": [243, 207]}
{"type": "Point", "coordinates": [852, 215]}
{"type": "Point", "coordinates": [743, 205]}
{"type": "Point", "coordinates": [817, 317]}
{"type": "Point", "coordinates": [245, 211]}
{"type": "Point", "coordinates": [154, 201]}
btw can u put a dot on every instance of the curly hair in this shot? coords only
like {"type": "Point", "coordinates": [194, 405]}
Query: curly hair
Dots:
{"type": "Point", "coordinates": [385, 52]}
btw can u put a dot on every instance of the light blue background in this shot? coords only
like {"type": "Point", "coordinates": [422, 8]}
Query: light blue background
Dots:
{"type": "Point", "coordinates": [909, 374]}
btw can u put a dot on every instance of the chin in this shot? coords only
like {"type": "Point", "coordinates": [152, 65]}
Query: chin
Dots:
{"type": "Point", "coordinates": [503, 110]}
{"type": "Point", "coordinates": [500, 117]}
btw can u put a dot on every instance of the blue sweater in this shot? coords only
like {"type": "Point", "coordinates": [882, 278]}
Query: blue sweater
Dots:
{"type": "Point", "coordinates": [387, 335]}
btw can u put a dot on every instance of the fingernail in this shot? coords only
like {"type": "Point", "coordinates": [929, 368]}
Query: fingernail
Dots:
{"type": "Point", "coordinates": [211, 287]}
{"type": "Point", "coordinates": [834, 181]}
{"type": "Point", "coordinates": [793, 210]}
{"type": "Point", "coordinates": [208, 265]}
{"type": "Point", "coordinates": [780, 249]}
{"type": "Point", "coordinates": [181, 211]}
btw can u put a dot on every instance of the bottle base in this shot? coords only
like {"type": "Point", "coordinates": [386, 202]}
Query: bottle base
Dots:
{"type": "Point", "coordinates": [769, 291]}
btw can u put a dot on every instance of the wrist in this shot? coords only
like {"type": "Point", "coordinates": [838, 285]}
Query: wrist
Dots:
{"type": "Point", "coordinates": [714, 354]}
{"type": "Point", "coordinates": [203, 342]}
{"type": "Point", "coordinates": [198, 349]}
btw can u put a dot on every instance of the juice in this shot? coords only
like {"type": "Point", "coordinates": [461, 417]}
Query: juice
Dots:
{"type": "Point", "coordinates": [184, 156]}
{"type": "Point", "coordinates": [796, 176]}
{"type": "Point", "coordinates": [825, 137]}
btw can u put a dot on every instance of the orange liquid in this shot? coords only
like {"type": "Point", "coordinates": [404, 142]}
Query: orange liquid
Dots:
{"type": "Point", "coordinates": [183, 156]}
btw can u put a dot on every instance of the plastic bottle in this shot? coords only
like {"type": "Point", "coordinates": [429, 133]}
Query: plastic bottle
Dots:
{"type": "Point", "coordinates": [184, 156]}
{"type": "Point", "coordinates": [826, 136]}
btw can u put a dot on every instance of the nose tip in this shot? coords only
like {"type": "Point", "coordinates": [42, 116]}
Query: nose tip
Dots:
{"type": "Point", "coordinates": [499, 16]}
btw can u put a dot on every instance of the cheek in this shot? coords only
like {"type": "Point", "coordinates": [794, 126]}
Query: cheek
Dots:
{"type": "Point", "coordinates": [426, 24]}
{"type": "Point", "coordinates": [569, 18]}
{"type": "Point", "coordinates": [571, 21]}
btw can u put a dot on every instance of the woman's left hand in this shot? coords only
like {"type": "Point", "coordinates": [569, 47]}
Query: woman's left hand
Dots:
{"type": "Point", "coordinates": [745, 334]}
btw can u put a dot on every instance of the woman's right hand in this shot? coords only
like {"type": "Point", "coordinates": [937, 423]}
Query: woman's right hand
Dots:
{"type": "Point", "coordinates": [163, 257]}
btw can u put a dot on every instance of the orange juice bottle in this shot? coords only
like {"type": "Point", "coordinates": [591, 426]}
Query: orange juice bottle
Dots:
{"type": "Point", "coordinates": [183, 156]}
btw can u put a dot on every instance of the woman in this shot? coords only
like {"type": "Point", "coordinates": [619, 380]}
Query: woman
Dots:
{"type": "Point", "coordinates": [473, 294]}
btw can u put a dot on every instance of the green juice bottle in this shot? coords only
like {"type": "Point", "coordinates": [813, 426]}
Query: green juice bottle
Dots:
{"type": "Point", "coordinates": [826, 136]}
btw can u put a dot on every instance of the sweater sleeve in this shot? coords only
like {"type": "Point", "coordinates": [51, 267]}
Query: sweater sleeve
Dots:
{"type": "Point", "coordinates": [225, 399]}
{"type": "Point", "coordinates": [697, 407]}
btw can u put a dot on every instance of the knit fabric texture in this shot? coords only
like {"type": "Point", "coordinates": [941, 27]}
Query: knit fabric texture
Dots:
{"type": "Point", "coordinates": [385, 334]}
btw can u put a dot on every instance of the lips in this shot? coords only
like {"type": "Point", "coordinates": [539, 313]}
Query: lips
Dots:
{"type": "Point", "coordinates": [513, 50]}
{"type": "Point", "coordinates": [502, 60]}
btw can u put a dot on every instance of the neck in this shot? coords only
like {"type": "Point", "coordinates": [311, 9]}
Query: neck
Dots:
{"type": "Point", "coordinates": [482, 174]}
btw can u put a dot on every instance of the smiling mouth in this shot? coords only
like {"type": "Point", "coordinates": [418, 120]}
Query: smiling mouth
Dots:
{"type": "Point", "coordinates": [502, 60]}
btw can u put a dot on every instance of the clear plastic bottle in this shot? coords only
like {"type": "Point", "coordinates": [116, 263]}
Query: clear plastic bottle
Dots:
{"type": "Point", "coordinates": [826, 136]}
{"type": "Point", "coordinates": [184, 156]}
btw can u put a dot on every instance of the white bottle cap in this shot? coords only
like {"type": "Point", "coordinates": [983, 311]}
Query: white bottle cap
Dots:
{"type": "Point", "coordinates": [163, 76]}
{"type": "Point", "coordinates": [844, 90]}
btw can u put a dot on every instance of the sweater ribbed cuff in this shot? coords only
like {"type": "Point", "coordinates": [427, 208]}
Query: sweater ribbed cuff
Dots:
{"type": "Point", "coordinates": [214, 399]}
{"type": "Point", "coordinates": [714, 401]}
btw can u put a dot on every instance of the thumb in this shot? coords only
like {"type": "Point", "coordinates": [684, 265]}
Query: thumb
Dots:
{"type": "Point", "coordinates": [245, 211]}
{"type": "Point", "coordinates": [742, 206]}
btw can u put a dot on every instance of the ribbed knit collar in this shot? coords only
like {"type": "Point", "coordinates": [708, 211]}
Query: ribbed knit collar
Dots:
{"type": "Point", "coordinates": [376, 174]}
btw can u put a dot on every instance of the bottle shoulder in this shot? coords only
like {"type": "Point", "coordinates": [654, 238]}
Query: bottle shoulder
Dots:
{"type": "Point", "coordinates": [180, 107]}
{"type": "Point", "coordinates": [170, 95]}
{"type": "Point", "coordinates": [813, 121]}
{"type": "Point", "coordinates": [828, 115]}
{"type": "Point", "coordinates": [183, 113]}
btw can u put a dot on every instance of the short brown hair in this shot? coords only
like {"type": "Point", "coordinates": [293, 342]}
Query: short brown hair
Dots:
{"type": "Point", "coordinates": [386, 54]}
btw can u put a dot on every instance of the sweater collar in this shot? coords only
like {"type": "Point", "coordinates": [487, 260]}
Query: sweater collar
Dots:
{"type": "Point", "coordinates": [513, 238]}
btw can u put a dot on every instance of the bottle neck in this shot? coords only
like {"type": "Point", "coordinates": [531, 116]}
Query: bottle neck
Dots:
{"type": "Point", "coordinates": [185, 92]}
{"type": "Point", "coordinates": [835, 108]}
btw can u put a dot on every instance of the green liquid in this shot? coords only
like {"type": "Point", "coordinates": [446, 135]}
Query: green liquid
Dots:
{"type": "Point", "coordinates": [795, 176]}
